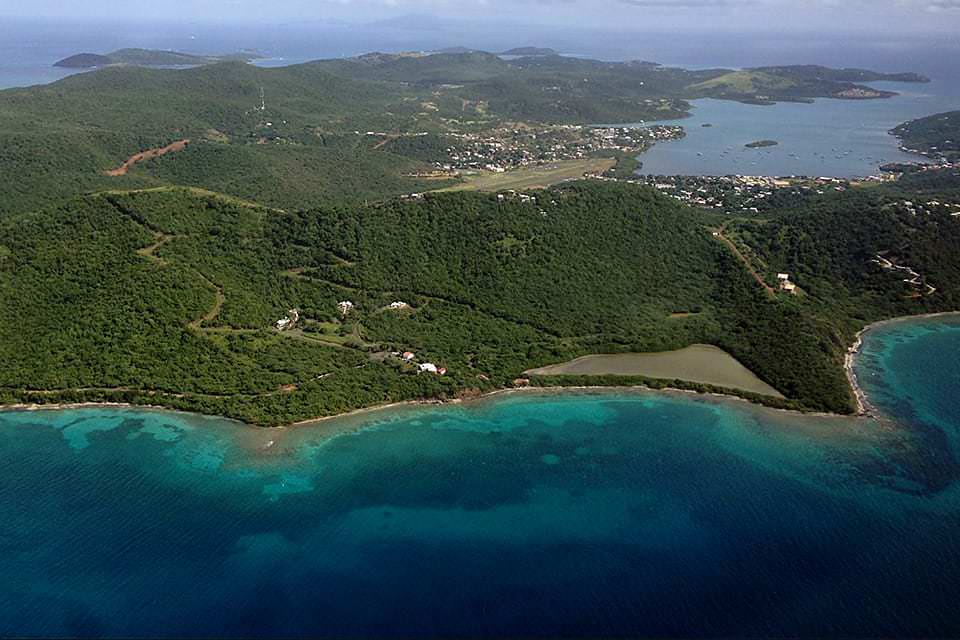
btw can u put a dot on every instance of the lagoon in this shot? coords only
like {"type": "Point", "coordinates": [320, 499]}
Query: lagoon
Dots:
{"type": "Point", "coordinates": [605, 513]}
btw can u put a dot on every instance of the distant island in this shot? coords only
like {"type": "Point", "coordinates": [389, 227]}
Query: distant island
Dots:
{"type": "Point", "coordinates": [798, 83]}
{"type": "Point", "coordinates": [148, 58]}
{"type": "Point", "coordinates": [759, 144]}
{"type": "Point", "coordinates": [531, 51]}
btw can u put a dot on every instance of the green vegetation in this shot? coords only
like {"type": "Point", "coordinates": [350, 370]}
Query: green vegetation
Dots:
{"type": "Point", "coordinates": [169, 296]}
{"type": "Point", "coordinates": [303, 142]}
{"type": "Point", "coordinates": [765, 85]}
{"type": "Point", "coordinates": [536, 177]}
{"type": "Point", "coordinates": [164, 285]}
{"type": "Point", "coordinates": [937, 136]}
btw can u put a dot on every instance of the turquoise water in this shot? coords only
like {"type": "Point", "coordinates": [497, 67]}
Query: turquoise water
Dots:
{"type": "Point", "coordinates": [576, 514]}
{"type": "Point", "coordinates": [827, 138]}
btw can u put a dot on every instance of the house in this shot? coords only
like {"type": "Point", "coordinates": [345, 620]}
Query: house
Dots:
{"type": "Point", "coordinates": [409, 355]}
{"type": "Point", "coordinates": [293, 316]}
{"type": "Point", "coordinates": [785, 284]}
{"type": "Point", "coordinates": [429, 367]}
{"type": "Point", "coordinates": [399, 305]}
{"type": "Point", "coordinates": [345, 307]}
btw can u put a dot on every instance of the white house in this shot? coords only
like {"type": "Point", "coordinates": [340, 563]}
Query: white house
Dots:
{"type": "Point", "coordinates": [429, 367]}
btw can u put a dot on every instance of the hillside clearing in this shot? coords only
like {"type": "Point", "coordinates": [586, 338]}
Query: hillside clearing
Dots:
{"type": "Point", "coordinates": [539, 177]}
{"type": "Point", "coordinates": [700, 363]}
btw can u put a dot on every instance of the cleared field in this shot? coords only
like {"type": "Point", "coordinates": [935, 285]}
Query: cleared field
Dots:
{"type": "Point", "coordinates": [746, 82]}
{"type": "Point", "coordinates": [534, 177]}
{"type": "Point", "coordinates": [699, 363]}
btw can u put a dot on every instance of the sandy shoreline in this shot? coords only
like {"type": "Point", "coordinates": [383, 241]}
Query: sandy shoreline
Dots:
{"type": "Point", "coordinates": [864, 408]}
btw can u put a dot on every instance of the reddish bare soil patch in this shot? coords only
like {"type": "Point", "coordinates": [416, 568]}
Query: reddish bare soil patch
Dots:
{"type": "Point", "coordinates": [149, 154]}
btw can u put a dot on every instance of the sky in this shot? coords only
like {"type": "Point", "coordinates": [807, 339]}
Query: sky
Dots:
{"type": "Point", "coordinates": [881, 16]}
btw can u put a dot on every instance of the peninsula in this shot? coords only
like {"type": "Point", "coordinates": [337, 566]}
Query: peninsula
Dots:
{"type": "Point", "coordinates": [936, 136]}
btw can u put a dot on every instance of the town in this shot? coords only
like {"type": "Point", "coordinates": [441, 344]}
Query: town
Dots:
{"type": "Point", "coordinates": [515, 146]}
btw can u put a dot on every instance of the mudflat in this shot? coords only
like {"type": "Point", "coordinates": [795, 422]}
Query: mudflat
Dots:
{"type": "Point", "coordinates": [700, 363]}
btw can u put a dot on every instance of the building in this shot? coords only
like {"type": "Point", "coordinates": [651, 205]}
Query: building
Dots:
{"type": "Point", "coordinates": [408, 355]}
{"type": "Point", "coordinates": [293, 316]}
{"type": "Point", "coordinates": [429, 367]}
{"type": "Point", "coordinates": [345, 307]}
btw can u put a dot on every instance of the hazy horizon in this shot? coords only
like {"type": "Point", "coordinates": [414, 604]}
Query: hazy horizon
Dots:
{"type": "Point", "coordinates": [856, 16]}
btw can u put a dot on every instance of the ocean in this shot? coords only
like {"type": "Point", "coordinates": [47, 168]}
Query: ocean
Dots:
{"type": "Point", "coordinates": [598, 514]}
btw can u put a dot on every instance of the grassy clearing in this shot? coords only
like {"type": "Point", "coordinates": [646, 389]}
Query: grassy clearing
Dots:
{"type": "Point", "coordinates": [534, 177]}
{"type": "Point", "coordinates": [745, 82]}
{"type": "Point", "coordinates": [703, 364]}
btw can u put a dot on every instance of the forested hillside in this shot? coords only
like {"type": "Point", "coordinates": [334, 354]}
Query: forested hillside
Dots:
{"type": "Point", "coordinates": [298, 136]}
{"type": "Point", "coordinates": [937, 136]}
{"type": "Point", "coordinates": [171, 296]}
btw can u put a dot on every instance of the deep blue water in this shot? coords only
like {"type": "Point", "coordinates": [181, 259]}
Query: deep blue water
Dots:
{"type": "Point", "coordinates": [581, 514]}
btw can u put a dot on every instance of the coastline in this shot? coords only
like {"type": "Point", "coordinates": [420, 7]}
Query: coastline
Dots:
{"type": "Point", "coordinates": [863, 407]}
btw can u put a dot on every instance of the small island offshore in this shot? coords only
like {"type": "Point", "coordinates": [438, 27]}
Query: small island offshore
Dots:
{"type": "Point", "coordinates": [759, 144]}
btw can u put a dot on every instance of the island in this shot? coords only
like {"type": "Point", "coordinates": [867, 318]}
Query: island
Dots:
{"type": "Point", "coordinates": [759, 144]}
{"type": "Point", "coordinates": [148, 58]}
{"type": "Point", "coordinates": [799, 83]}
{"type": "Point", "coordinates": [530, 51]}
{"type": "Point", "coordinates": [277, 245]}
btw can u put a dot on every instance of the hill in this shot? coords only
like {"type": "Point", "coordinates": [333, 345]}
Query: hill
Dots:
{"type": "Point", "coordinates": [936, 136]}
{"type": "Point", "coordinates": [84, 61]}
{"type": "Point", "coordinates": [357, 129]}
{"type": "Point", "coordinates": [799, 83]}
{"type": "Point", "coordinates": [819, 73]}
{"type": "Point", "coordinates": [170, 296]}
